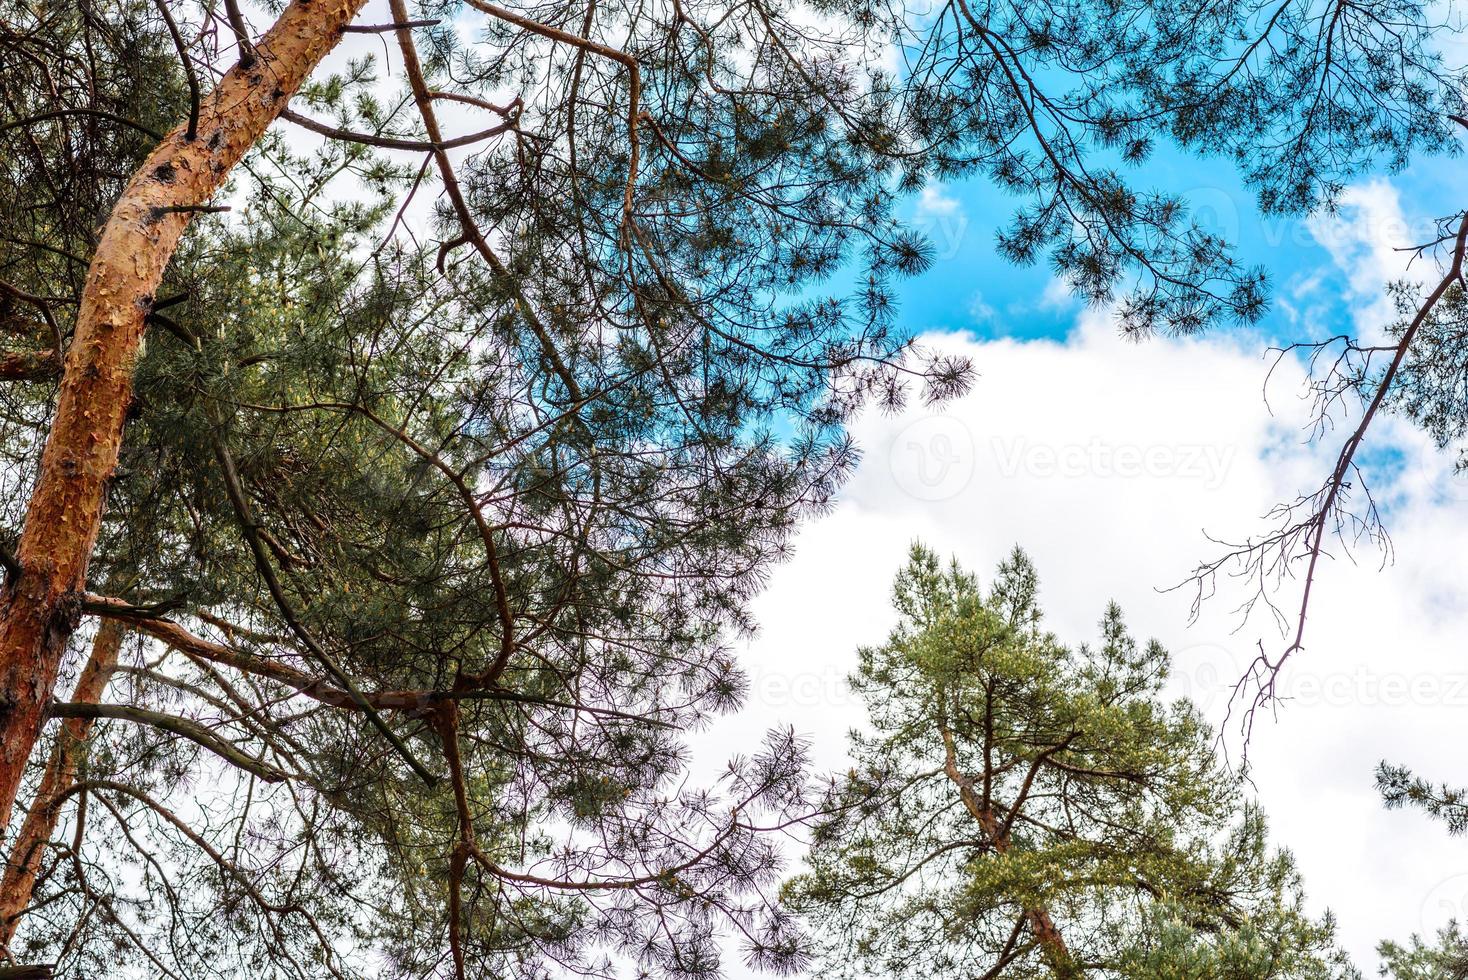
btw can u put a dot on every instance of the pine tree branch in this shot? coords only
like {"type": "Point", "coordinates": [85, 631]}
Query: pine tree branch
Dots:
{"type": "Point", "coordinates": [183, 727]}
{"type": "Point", "coordinates": [235, 490]}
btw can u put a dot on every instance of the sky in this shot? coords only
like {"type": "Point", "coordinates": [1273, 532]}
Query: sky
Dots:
{"type": "Point", "coordinates": [1111, 462]}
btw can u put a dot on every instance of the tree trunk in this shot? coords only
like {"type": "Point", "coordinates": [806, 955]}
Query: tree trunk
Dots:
{"type": "Point", "coordinates": [1052, 943]}
{"type": "Point", "coordinates": [40, 610]}
{"type": "Point", "coordinates": [1056, 953]}
{"type": "Point", "coordinates": [61, 772]}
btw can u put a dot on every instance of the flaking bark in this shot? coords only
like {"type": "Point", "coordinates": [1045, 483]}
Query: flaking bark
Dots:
{"type": "Point", "coordinates": [40, 610]}
{"type": "Point", "coordinates": [23, 863]}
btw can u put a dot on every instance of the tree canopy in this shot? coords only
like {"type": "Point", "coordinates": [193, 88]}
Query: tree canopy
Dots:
{"type": "Point", "coordinates": [1446, 959]}
{"type": "Point", "coordinates": [432, 481]}
{"type": "Point", "coordinates": [1024, 809]}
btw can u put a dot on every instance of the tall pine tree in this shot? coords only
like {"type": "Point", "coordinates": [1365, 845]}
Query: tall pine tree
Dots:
{"type": "Point", "coordinates": [430, 522]}
{"type": "Point", "coordinates": [1021, 809]}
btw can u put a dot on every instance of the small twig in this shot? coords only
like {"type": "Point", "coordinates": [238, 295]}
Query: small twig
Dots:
{"type": "Point", "coordinates": [515, 106]}
{"type": "Point", "coordinates": [122, 609]}
{"type": "Point", "coordinates": [502, 694]}
{"type": "Point", "coordinates": [241, 33]}
{"type": "Point", "coordinates": [384, 28]}
{"type": "Point", "coordinates": [391, 142]}
{"type": "Point", "coordinates": [97, 113]}
{"type": "Point", "coordinates": [183, 727]}
{"type": "Point", "coordinates": [177, 329]}
{"type": "Point", "coordinates": [188, 66]}
{"type": "Point", "coordinates": [162, 209]}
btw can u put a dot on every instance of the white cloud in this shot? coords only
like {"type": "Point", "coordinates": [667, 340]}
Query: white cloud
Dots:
{"type": "Point", "coordinates": [979, 309]}
{"type": "Point", "coordinates": [1056, 298]}
{"type": "Point", "coordinates": [1058, 295]}
{"type": "Point", "coordinates": [1106, 460]}
{"type": "Point", "coordinates": [932, 201]}
{"type": "Point", "coordinates": [941, 218]}
{"type": "Point", "coordinates": [1366, 238]}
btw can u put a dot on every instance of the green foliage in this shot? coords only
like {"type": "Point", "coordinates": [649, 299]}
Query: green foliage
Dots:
{"type": "Point", "coordinates": [1447, 959]}
{"type": "Point", "coordinates": [1177, 950]}
{"type": "Point", "coordinates": [541, 479]}
{"type": "Point", "coordinates": [1061, 104]}
{"type": "Point", "coordinates": [1399, 788]}
{"type": "Point", "coordinates": [1009, 777]}
{"type": "Point", "coordinates": [1432, 388]}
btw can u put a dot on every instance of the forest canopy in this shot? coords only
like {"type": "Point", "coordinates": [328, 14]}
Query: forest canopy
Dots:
{"type": "Point", "coordinates": [392, 449]}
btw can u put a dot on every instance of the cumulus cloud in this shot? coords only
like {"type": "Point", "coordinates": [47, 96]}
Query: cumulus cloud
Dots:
{"type": "Point", "coordinates": [932, 201]}
{"type": "Point", "coordinates": [1106, 461]}
{"type": "Point", "coordinates": [1366, 238]}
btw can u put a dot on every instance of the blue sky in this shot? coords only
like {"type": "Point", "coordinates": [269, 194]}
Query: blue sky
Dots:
{"type": "Point", "coordinates": [1383, 675]}
{"type": "Point", "coordinates": [971, 288]}
{"type": "Point", "coordinates": [1043, 452]}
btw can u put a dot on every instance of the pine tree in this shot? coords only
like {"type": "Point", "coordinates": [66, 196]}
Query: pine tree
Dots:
{"type": "Point", "coordinates": [1447, 959]}
{"type": "Point", "coordinates": [435, 551]}
{"type": "Point", "coordinates": [1024, 809]}
{"type": "Point", "coordinates": [430, 535]}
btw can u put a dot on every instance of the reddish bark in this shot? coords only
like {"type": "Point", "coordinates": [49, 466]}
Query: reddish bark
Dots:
{"type": "Point", "coordinates": [1052, 944]}
{"type": "Point", "coordinates": [24, 861]}
{"type": "Point", "coordinates": [29, 366]}
{"type": "Point", "coordinates": [40, 610]}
